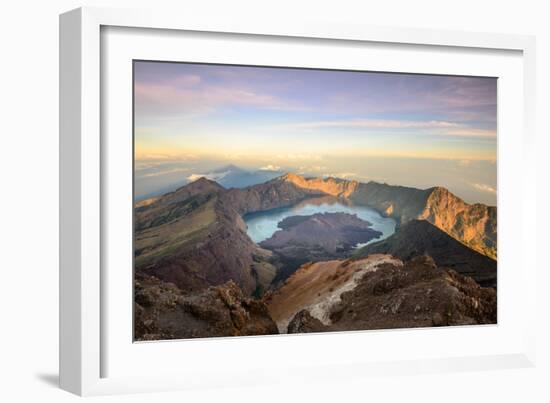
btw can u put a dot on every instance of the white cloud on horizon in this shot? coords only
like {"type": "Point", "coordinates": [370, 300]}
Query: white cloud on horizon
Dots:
{"type": "Point", "coordinates": [470, 132]}
{"type": "Point", "coordinates": [464, 163]}
{"type": "Point", "coordinates": [213, 176]}
{"type": "Point", "coordinates": [271, 168]}
{"type": "Point", "coordinates": [176, 157]}
{"type": "Point", "coordinates": [342, 175]}
{"type": "Point", "coordinates": [375, 123]}
{"type": "Point", "coordinates": [484, 188]}
{"type": "Point", "coordinates": [165, 172]}
{"type": "Point", "coordinates": [295, 157]}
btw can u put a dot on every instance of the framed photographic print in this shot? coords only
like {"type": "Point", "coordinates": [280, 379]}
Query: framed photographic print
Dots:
{"type": "Point", "coordinates": [256, 200]}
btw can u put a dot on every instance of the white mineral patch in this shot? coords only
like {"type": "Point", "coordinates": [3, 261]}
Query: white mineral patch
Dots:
{"type": "Point", "coordinates": [322, 308]}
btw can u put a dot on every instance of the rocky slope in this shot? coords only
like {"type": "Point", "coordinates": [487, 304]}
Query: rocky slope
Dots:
{"type": "Point", "coordinates": [420, 237]}
{"type": "Point", "coordinates": [330, 186]}
{"type": "Point", "coordinates": [278, 192]}
{"type": "Point", "coordinates": [156, 211]}
{"type": "Point", "coordinates": [193, 239]}
{"type": "Point", "coordinates": [317, 287]}
{"type": "Point", "coordinates": [162, 311]}
{"type": "Point", "coordinates": [379, 292]}
{"type": "Point", "coordinates": [473, 224]}
{"type": "Point", "coordinates": [400, 202]}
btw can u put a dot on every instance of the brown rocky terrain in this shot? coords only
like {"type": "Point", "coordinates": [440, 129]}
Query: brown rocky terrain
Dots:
{"type": "Point", "coordinates": [163, 311]}
{"type": "Point", "coordinates": [303, 322]}
{"type": "Point", "coordinates": [317, 287]}
{"type": "Point", "coordinates": [473, 224]}
{"type": "Point", "coordinates": [384, 294]}
{"type": "Point", "coordinates": [193, 239]}
{"type": "Point", "coordinates": [330, 186]}
{"type": "Point", "coordinates": [420, 237]}
{"type": "Point", "coordinates": [400, 202]}
{"type": "Point", "coordinates": [278, 192]}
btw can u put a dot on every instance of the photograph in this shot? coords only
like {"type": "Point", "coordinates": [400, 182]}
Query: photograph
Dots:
{"type": "Point", "coordinates": [272, 200]}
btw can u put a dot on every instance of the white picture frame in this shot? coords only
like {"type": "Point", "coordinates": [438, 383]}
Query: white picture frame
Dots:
{"type": "Point", "coordinates": [84, 341]}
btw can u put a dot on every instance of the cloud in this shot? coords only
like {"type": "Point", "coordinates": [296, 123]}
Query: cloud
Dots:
{"type": "Point", "coordinates": [304, 157]}
{"type": "Point", "coordinates": [165, 172]}
{"type": "Point", "coordinates": [374, 124]}
{"type": "Point", "coordinates": [142, 157]}
{"type": "Point", "coordinates": [464, 163]}
{"type": "Point", "coordinates": [270, 168]}
{"type": "Point", "coordinates": [437, 127]}
{"type": "Point", "coordinates": [194, 177]}
{"type": "Point", "coordinates": [188, 96]}
{"type": "Point", "coordinates": [311, 170]}
{"type": "Point", "coordinates": [342, 175]}
{"type": "Point", "coordinates": [214, 176]}
{"type": "Point", "coordinates": [187, 80]}
{"type": "Point", "coordinates": [169, 96]}
{"type": "Point", "coordinates": [484, 188]}
{"type": "Point", "coordinates": [471, 132]}
{"type": "Point", "coordinates": [448, 97]}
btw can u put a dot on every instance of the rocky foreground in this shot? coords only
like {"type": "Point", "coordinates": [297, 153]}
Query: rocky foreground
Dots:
{"type": "Point", "coordinates": [162, 311]}
{"type": "Point", "coordinates": [379, 292]}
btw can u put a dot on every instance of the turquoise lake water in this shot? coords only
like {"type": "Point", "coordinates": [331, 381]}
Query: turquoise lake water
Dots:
{"type": "Point", "coordinates": [262, 225]}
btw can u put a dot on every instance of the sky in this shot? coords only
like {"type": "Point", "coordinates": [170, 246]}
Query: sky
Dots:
{"type": "Point", "coordinates": [405, 129]}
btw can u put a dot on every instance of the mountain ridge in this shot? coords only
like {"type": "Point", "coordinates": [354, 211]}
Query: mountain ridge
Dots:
{"type": "Point", "coordinates": [169, 227]}
{"type": "Point", "coordinates": [170, 230]}
{"type": "Point", "coordinates": [472, 224]}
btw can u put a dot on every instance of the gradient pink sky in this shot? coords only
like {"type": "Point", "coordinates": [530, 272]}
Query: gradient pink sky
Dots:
{"type": "Point", "coordinates": [292, 118]}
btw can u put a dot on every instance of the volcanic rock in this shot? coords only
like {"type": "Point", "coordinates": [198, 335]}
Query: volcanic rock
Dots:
{"type": "Point", "coordinates": [163, 311]}
{"type": "Point", "coordinates": [379, 292]}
